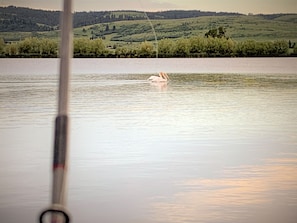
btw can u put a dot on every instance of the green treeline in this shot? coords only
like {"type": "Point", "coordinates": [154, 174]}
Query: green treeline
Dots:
{"type": "Point", "coordinates": [184, 47]}
{"type": "Point", "coordinates": [15, 19]}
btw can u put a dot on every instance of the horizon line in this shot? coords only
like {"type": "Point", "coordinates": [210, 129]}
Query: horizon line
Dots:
{"type": "Point", "coordinates": [139, 10]}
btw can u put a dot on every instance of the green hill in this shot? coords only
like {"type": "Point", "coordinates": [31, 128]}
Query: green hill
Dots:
{"type": "Point", "coordinates": [237, 27]}
{"type": "Point", "coordinates": [126, 27]}
{"type": "Point", "coordinates": [19, 19]}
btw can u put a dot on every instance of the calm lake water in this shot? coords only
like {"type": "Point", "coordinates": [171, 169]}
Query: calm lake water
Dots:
{"type": "Point", "coordinates": [217, 144]}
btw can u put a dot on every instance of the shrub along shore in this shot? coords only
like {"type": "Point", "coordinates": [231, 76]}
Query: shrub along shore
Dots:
{"type": "Point", "coordinates": [165, 48]}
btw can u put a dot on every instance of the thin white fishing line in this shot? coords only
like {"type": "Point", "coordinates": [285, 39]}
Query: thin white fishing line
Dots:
{"type": "Point", "coordinates": [153, 29]}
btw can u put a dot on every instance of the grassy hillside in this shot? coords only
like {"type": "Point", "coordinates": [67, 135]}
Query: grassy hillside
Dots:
{"type": "Point", "coordinates": [131, 27]}
{"type": "Point", "coordinates": [238, 28]}
{"type": "Point", "coordinates": [17, 19]}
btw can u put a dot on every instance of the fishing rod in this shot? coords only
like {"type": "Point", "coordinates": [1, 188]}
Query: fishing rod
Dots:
{"type": "Point", "coordinates": [58, 210]}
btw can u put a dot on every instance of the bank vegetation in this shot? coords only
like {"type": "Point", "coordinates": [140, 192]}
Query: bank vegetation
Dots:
{"type": "Point", "coordinates": [185, 47]}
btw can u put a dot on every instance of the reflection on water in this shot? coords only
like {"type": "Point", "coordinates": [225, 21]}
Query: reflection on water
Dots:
{"type": "Point", "coordinates": [244, 194]}
{"type": "Point", "coordinates": [162, 86]}
{"type": "Point", "coordinates": [203, 148]}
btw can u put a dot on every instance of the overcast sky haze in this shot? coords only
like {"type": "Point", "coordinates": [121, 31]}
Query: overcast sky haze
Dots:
{"type": "Point", "coordinates": [241, 6]}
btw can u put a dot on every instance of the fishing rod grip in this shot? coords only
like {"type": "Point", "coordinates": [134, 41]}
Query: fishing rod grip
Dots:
{"type": "Point", "coordinates": [61, 142]}
{"type": "Point", "coordinates": [60, 160]}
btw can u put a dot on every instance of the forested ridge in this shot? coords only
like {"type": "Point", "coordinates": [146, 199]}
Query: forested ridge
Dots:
{"type": "Point", "coordinates": [27, 20]}
{"type": "Point", "coordinates": [16, 19]}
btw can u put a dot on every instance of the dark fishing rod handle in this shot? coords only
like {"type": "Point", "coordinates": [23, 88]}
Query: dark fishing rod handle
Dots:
{"type": "Point", "coordinates": [55, 210]}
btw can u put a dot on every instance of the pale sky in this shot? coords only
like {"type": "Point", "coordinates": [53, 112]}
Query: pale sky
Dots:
{"type": "Point", "coordinates": [241, 6]}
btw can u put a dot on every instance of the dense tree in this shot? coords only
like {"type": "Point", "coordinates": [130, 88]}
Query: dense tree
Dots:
{"type": "Point", "coordinates": [32, 47]}
{"type": "Point", "coordinates": [212, 47]}
{"type": "Point", "coordinates": [11, 50]}
{"type": "Point", "coordinates": [2, 46]}
{"type": "Point", "coordinates": [29, 46]}
{"type": "Point", "coordinates": [295, 50]}
{"type": "Point", "coordinates": [216, 33]}
{"type": "Point", "coordinates": [280, 47]}
{"type": "Point", "coordinates": [182, 48]}
{"type": "Point", "coordinates": [225, 47]}
{"type": "Point", "coordinates": [84, 47]}
{"type": "Point", "coordinates": [246, 48]}
{"type": "Point", "coordinates": [146, 49]}
{"type": "Point", "coordinates": [197, 46]}
{"type": "Point", "coordinates": [221, 32]}
{"type": "Point", "coordinates": [125, 52]}
{"type": "Point", "coordinates": [166, 48]}
{"type": "Point", "coordinates": [49, 48]}
{"type": "Point", "coordinates": [81, 47]}
{"type": "Point", "coordinates": [98, 48]}
{"type": "Point", "coordinates": [211, 33]}
{"type": "Point", "coordinates": [106, 28]}
{"type": "Point", "coordinates": [250, 48]}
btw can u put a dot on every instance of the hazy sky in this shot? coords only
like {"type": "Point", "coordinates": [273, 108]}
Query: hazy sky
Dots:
{"type": "Point", "coordinates": [242, 6]}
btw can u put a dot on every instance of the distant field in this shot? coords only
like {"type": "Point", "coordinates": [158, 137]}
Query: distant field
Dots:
{"type": "Point", "coordinates": [239, 28]}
